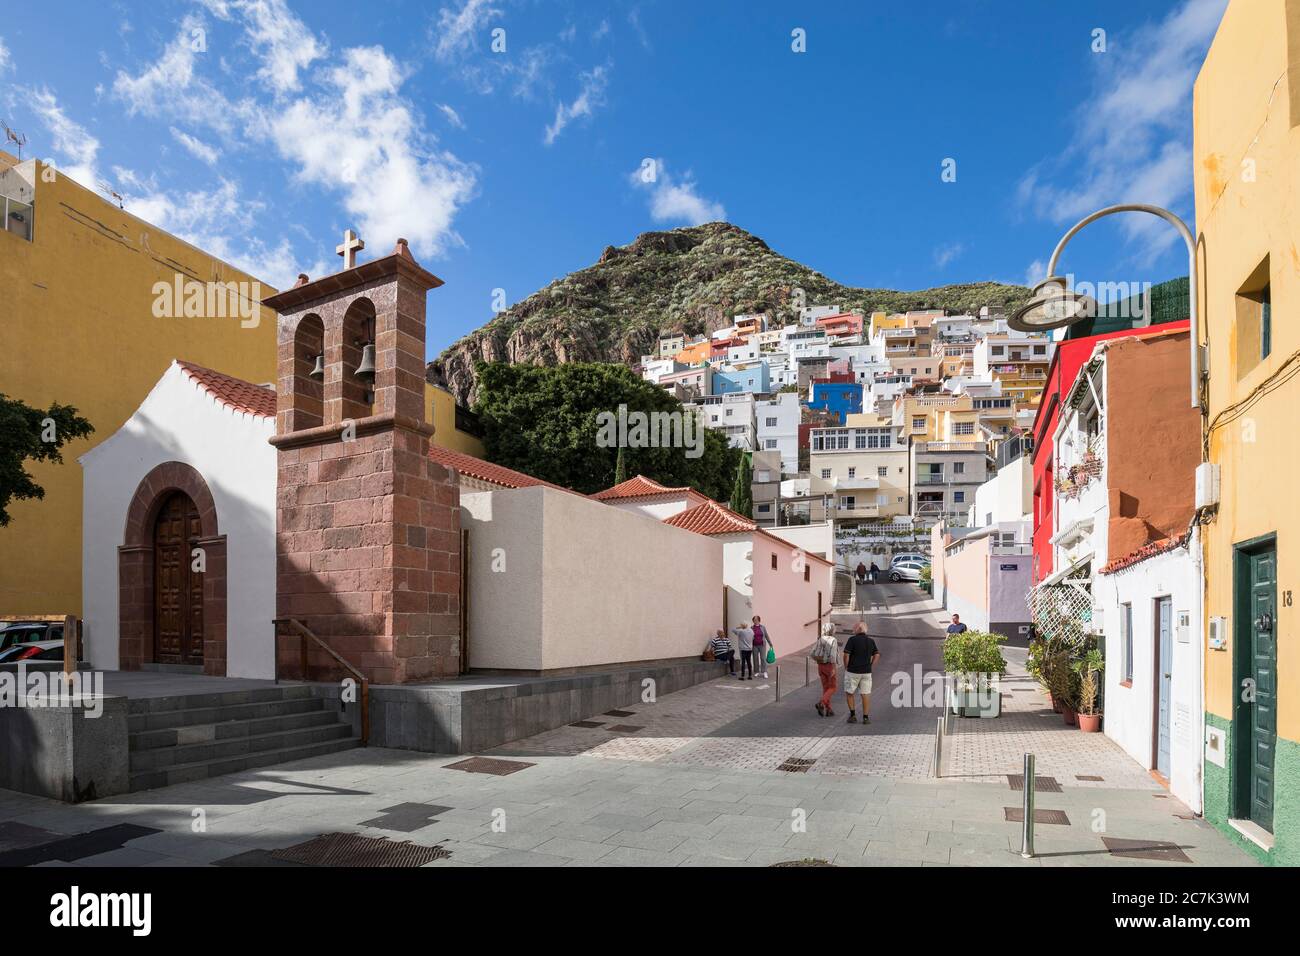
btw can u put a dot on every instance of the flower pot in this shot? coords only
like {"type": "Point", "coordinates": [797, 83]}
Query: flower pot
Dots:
{"type": "Point", "coordinates": [1056, 704]}
{"type": "Point", "coordinates": [1090, 723]}
{"type": "Point", "coordinates": [1071, 717]}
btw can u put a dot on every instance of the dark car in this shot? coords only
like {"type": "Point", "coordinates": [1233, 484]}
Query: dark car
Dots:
{"type": "Point", "coordinates": [29, 632]}
{"type": "Point", "coordinates": [35, 651]}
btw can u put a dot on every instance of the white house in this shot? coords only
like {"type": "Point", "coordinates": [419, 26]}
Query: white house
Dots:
{"type": "Point", "coordinates": [778, 428]}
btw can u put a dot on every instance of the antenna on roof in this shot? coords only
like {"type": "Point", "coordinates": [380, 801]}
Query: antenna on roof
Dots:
{"type": "Point", "coordinates": [117, 197]}
{"type": "Point", "coordinates": [15, 137]}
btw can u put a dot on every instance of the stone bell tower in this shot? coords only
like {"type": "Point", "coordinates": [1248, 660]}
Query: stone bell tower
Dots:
{"type": "Point", "coordinates": [367, 526]}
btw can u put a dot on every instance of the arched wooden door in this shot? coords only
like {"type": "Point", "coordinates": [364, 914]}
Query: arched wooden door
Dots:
{"type": "Point", "coordinates": [178, 589]}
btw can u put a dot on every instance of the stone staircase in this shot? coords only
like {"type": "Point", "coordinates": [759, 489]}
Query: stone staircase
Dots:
{"type": "Point", "coordinates": [178, 739]}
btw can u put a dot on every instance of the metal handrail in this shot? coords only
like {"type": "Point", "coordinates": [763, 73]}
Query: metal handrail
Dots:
{"type": "Point", "coordinates": [304, 634]}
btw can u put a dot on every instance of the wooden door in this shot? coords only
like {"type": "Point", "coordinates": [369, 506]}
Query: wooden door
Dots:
{"type": "Point", "coordinates": [1263, 656]}
{"type": "Point", "coordinates": [178, 589]}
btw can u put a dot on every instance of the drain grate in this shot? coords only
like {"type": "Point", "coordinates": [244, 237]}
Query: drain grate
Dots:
{"type": "Point", "coordinates": [1160, 850]}
{"type": "Point", "coordinates": [1041, 784]}
{"type": "Point", "coordinates": [620, 713]}
{"type": "Point", "coordinates": [811, 861]}
{"type": "Point", "coordinates": [1091, 778]}
{"type": "Point", "coordinates": [797, 764]}
{"type": "Point", "coordinates": [353, 849]}
{"type": "Point", "coordinates": [1017, 815]}
{"type": "Point", "coordinates": [587, 723]}
{"type": "Point", "coordinates": [625, 728]}
{"type": "Point", "coordinates": [492, 765]}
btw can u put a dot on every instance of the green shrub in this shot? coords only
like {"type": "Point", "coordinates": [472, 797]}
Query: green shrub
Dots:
{"type": "Point", "coordinates": [974, 652]}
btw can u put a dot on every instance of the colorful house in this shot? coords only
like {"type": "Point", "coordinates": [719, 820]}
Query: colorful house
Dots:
{"type": "Point", "coordinates": [839, 398]}
{"type": "Point", "coordinates": [1246, 110]}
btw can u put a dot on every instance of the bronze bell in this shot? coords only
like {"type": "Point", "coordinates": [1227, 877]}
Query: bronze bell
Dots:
{"type": "Point", "coordinates": [366, 370]}
{"type": "Point", "coordinates": [318, 373]}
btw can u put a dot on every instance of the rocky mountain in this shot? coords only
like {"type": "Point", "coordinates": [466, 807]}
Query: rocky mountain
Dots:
{"type": "Point", "coordinates": [692, 280]}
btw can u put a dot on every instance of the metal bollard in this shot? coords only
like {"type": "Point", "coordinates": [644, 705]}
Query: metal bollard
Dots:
{"type": "Point", "coordinates": [938, 748]}
{"type": "Point", "coordinates": [1027, 827]}
{"type": "Point", "coordinates": [777, 668]}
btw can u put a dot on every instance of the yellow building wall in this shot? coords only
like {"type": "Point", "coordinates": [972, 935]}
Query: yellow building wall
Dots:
{"type": "Point", "coordinates": [78, 328]}
{"type": "Point", "coordinates": [440, 409]}
{"type": "Point", "coordinates": [1247, 153]}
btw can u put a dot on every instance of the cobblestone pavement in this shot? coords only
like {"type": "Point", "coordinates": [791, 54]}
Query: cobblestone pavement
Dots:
{"type": "Point", "coordinates": [697, 784]}
{"type": "Point", "coordinates": [584, 811]}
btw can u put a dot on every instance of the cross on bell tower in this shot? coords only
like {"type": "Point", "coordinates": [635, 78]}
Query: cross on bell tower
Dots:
{"type": "Point", "coordinates": [352, 244]}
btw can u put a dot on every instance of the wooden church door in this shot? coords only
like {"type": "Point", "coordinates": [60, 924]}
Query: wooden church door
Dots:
{"type": "Point", "coordinates": [178, 590]}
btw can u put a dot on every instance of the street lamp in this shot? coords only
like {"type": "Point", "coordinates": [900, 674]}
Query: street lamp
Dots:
{"type": "Point", "coordinates": [1053, 305]}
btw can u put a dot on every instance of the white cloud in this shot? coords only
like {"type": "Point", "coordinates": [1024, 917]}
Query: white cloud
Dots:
{"type": "Point", "coordinates": [75, 149]}
{"type": "Point", "coordinates": [458, 29]}
{"type": "Point", "coordinates": [359, 137]}
{"type": "Point", "coordinates": [675, 201]}
{"type": "Point", "coordinates": [171, 86]}
{"type": "Point", "coordinates": [196, 147]}
{"type": "Point", "coordinates": [589, 99]}
{"type": "Point", "coordinates": [1133, 135]}
{"type": "Point", "coordinates": [947, 253]}
{"type": "Point", "coordinates": [5, 62]}
{"type": "Point", "coordinates": [452, 116]}
{"type": "Point", "coordinates": [282, 41]}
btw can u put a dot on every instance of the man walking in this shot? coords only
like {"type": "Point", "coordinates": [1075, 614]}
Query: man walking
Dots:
{"type": "Point", "coordinates": [825, 652]}
{"type": "Point", "coordinates": [956, 627]}
{"type": "Point", "coordinates": [860, 655]}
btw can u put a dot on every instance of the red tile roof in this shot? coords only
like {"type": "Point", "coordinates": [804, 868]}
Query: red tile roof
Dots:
{"type": "Point", "coordinates": [643, 487]}
{"type": "Point", "coordinates": [486, 471]}
{"type": "Point", "coordinates": [1144, 552]}
{"type": "Point", "coordinates": [232, 392]}
{"type": "Point", "coordinates": [711, 518]}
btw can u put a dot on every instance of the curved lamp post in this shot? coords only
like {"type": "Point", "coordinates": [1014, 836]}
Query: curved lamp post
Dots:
{"type": "Point", "coordinates": [1053, 305]}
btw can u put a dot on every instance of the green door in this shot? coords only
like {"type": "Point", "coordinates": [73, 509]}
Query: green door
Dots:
{"type": "Point", "coordinates": [1263, 672]}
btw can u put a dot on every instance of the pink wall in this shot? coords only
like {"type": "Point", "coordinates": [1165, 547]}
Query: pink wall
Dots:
{"type": "Point", "coordinates": [782, 597]}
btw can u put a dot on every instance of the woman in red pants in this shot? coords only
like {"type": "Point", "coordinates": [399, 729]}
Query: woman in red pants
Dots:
{"type": "Point", "coordinates": [825, 652]}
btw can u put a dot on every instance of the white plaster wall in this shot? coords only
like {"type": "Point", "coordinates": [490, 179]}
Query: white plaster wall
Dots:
{"type": "Point", "coordinates": [737, 574]}
{"type": "Point", "coordinates": [812, 538]}
{"type": "Point", "coordinates": [1008, 495]}
{"type": "Point", "coordinates": [657, 508]}
{"type": "Point", "coordinates": [618, 588]}
{"type": "Point", "coordinates": [179, 421]}
{"type": "Point", "coordinates": [583, 583]}
{"type": "Point", "coordinates": [785, 601]}
{"type": "Point", "coordinates": [1130, 714]}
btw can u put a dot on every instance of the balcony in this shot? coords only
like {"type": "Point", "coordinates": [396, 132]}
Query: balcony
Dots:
{"type": "Point", "coordinates": [950, 446]}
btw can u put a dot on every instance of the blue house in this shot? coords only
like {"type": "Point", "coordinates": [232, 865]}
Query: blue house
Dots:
{"type": "Point", "coordinates": [842, 398]}
{"type": "Point", "coordinates": [751, 377]}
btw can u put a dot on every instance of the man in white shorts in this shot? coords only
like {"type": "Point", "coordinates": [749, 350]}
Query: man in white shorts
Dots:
{"type": "Point", "coordinates": [860, 655]}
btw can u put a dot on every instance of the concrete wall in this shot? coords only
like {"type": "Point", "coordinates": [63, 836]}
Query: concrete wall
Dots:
{"type": "Point", "coordinates": [64, 753]}
{"type": "Point", "coordinates": [816, 539]}
{"type": "Point", "coordinates": [180, 421]}
{"type": "Point", "coordinates": [557, 581]}
{"type": "Point", "coordinates": [1130, 708]}
{"type": "Point", "coordinates": [783, 598]}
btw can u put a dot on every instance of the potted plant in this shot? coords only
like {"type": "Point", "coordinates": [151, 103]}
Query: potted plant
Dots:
{"type": "Point", "coordinates": [975, 663]}
{"type": "Point", "coordinates": [1089, 668]}
{"type": "Point", "coordinates": [925, 582]}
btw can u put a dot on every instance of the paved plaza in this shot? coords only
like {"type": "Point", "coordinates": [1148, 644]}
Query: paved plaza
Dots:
{"type": "Point", "coordinates": [724, 773]}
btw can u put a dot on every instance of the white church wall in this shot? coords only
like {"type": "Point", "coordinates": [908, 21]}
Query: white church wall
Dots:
{"type": "Point", "coordinates": [582, 584]}
{"type": "Point", "coordinates": [180, 421]}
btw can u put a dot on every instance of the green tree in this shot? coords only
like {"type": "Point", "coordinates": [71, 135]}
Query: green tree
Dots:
{"type": "Point", "coordinates": [742, 493]}
{"type": "Point", "coordinates": [620, 467]}
{"type": "Point", "coordinates": [32, 434]}
{"type": "Point", "coordinates": [547, 421]}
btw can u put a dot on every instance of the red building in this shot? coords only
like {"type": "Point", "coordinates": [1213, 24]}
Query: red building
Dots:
{"type": "Point", "coordinates": [1068, 358]}
{"type": "Point", "coordinates": [843, 324]}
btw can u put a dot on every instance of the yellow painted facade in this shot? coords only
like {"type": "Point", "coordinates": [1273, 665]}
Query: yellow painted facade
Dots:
{"type": "Point", "coordinates": [1247, 153]}
{"type": "Point", "coordinates": [79, 329]}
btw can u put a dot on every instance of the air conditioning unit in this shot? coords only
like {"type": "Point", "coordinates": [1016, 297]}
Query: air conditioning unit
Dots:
{"type": "Point", "coordinates": [1207, 484]}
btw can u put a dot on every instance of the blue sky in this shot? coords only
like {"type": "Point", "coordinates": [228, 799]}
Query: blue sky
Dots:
{"type": "Point", "coordinates": [261, 129]}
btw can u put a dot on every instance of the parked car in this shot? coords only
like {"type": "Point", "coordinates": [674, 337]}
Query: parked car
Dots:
{"type": "Point", "coordinates": [28, 632]}
{"type": "Point", "coordinates": [907, 571]}
{"type": "Point", "coordinates": [35, 651]}
{"type": "Point", "coordinates": [907, 557]}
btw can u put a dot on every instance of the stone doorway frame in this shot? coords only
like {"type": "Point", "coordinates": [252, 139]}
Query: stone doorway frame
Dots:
{"type": "Point", "coordinates": [135, 575]}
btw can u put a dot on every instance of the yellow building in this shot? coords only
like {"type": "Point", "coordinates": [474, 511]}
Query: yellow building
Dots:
{"type": "Point", "coordinates": [97, 303]}
{"type": "Point", "coordinates": [82, 285]}
{"type": "Point", "coordinates": [455, 427]}
{"type": "Point", "coordinates": [1246, 153]}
